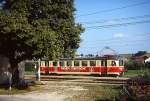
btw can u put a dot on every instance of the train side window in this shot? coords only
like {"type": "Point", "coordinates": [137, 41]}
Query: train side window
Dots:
{"type": "Point", "coordinates": [47, 63]}
{"type": "Point", "coordinates": [50, 63]}
{"type": "Point", "coordinates": [98, 63]}
{"type": "Point", "coordinates": [42, 63]}
{"type": "Point", "coordinates": [76, 63]}
{"type": "Point", "coordinates": [84, 63]}
{"type": "Point", "coordinates": [92, 63]}
{"type": "Point", "coordinates": [113, 63]}
{"type": "Point", "coordinates": [121, 63]}
{"type": "Point", "coordinates": [55, 64]}
{"type": "Point", "coordinates": [69, 63]}
{"type": "Point", "coordinates": [103, 63]}
{"type": "Point", "coordinates": [62, 63]}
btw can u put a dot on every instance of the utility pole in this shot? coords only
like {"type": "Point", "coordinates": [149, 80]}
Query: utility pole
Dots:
{"type": "Point", "coordinates": [39, 76]}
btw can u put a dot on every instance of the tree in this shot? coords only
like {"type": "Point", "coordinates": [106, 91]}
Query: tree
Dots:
{"type": "Point", "coordinates": [139, 53]}
{"type": "Point", "coordinates": [37, 28]}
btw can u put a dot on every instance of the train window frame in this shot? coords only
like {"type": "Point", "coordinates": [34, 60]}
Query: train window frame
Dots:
{"type": "Point", "coordinates": [92, 61]}
{"type": "Point", "coordinates": [98, 63]}
{"type": "Point", "coordinates": [42, 63]}
{"type": "Point", "coordinates": [56, 64]}
{"type": "Point", "coordinates": [70, 63]}
{"type": "Point", "coordinates": [83, 64]}
{"type": "Point", "coordinates": [62, 62]}
{"type": "Point", "coordinates": [104, 63]}
{"type": "Point", "coordinates": [75, 63]}
{"type": "Point", "coordinates": [50, 63]}
{"type": "Point", "coordinates": [46, 63]}
{"type": "Point", "coordinates": [113, 63]}
{"type": "Point", "coordinates": [121, 62]}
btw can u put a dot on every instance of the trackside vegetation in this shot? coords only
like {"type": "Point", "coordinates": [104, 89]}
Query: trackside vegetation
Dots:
{"type": "Point", "coordinates": [137, 69]}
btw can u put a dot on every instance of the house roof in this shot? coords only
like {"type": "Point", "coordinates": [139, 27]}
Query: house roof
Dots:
{"type": "Point", "coordinates": [142, 57]}
{"type": "Point", "coordinates": [146, 55]}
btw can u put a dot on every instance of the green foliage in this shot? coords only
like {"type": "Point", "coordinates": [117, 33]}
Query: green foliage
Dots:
{"type": "Point", "coordinates": [147, 64]}
{"type": "Point", "coordinates": [38, 28]}
{"type": "Point", "coordinates": [138, 73]}
{"type": "Point", "coordinates": [15, 35]}
{"type": "Point", "coordinates": [139, 53]}
{"type": "Point", "coordinates": [102, 92]}
{"type": "Point", "coordinates": [147, 74]}
{"type": "Point", "coordinates": [132, 65]}
{"type": "Point", "coordinates": [137, 69]}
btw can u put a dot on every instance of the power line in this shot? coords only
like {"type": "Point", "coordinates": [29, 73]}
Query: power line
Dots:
{"type": "Point", "coordinates": [119, 19]}
{"type": "Point", "coordinates": [114, 9]}
{"type": "Point", "coordinates": [116, 39]}
{"type": "Point", "coordinates": [118, 25]}
{"type": "Point", "coordinates": [117, 42]}
{"type": "Point", "coordinates": [133, 40]}
{"type": "Point", "coordinates": [120, 44]}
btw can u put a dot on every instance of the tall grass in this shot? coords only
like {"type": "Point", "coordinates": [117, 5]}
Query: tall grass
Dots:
{"type": "Point", "coordinates": [102, 92]}
{"type": "Point", "coordinates": [138, 73]}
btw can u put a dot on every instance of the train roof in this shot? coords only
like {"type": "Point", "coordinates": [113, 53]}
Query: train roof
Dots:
{"type": "Point", "coordinates": [105, 57]}
{"type": "Point", "coordinates": [91, 58]}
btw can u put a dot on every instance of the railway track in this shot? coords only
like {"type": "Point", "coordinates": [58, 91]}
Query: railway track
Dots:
{"type": "Point", "coordinates": [81, 79]}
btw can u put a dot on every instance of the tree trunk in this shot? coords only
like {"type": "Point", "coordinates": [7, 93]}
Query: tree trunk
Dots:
{"type": "Point", "coordinates": [15, 76]}
{"type": "Point", "coordinates": [15, 73]}
{"type": "Point", "coordinates": [16, 80]}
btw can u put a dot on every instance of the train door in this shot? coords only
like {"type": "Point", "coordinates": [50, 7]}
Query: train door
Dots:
{"type": "Point", "coordinates": [103, 66]}
{"type": "Point", "coordinates": [113, 67]}
{"type": "Point", "coordinates": [44, 67]}
{"type": "Point", "coordinates": [111, 64]}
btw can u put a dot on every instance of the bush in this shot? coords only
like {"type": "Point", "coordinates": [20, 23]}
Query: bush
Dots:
{"type": "Point", "coordinates": [147, 64]}
{"type": "Point", "coordinates": [132, 65]}
{"type": "Point", "coordinates": [146, 75]}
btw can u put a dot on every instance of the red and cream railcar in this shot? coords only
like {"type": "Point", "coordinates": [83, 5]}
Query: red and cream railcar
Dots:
{"type": "Point", "coordinates": [83, 66]}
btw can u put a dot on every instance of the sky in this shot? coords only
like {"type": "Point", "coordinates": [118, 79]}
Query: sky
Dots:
{"type": "Point", "coordinates": [122, 25]}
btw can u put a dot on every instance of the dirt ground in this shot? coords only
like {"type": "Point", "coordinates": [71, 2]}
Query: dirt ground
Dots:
{"type": "Point", "coordinates": [54, 91]}
{"type": "Point", "coordinates": [51, 91]}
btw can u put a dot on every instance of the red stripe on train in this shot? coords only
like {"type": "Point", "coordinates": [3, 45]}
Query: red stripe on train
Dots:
{"type": "Point", "coordinates": [82, 69]}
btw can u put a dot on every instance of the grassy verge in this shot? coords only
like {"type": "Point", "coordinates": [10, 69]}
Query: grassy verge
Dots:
{"type": "Point", "coordinates": [103, 92]}
{"type": "Point", "coordinates": [132, 73]}
{"type": "Point", "coordinates": [97, 93]}
{"type": "Point", "coordinates": [136, 73]}
{"type": "Point", "coordinates": [18, 91]}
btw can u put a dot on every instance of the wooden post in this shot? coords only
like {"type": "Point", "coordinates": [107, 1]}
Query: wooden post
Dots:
{"type": "Point", "coordinates": [39, 70]}
{"type": "Point", "coordinates": [10, 80]}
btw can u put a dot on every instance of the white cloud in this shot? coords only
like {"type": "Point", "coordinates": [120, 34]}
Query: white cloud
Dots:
{"type": "Point", "coordinates": [118, 35]}
{"type": "Point", "coordinates": [110, 22]}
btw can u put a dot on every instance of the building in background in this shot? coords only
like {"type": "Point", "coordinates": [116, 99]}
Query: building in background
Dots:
{"type": "Point", "coordinates": [141, 59]}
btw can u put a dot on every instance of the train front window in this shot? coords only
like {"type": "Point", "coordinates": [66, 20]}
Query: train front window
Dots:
{"type": "Point", "coordinates": [113, 63]}
{"type": "Point", "coordinates": [92, 63]}
{"type": "Point", "coordinates": [84, 63]}
{"type": "Point", "coordinates": [76, 63]}
{"type": "Point", "coordinates": [121, 63]}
